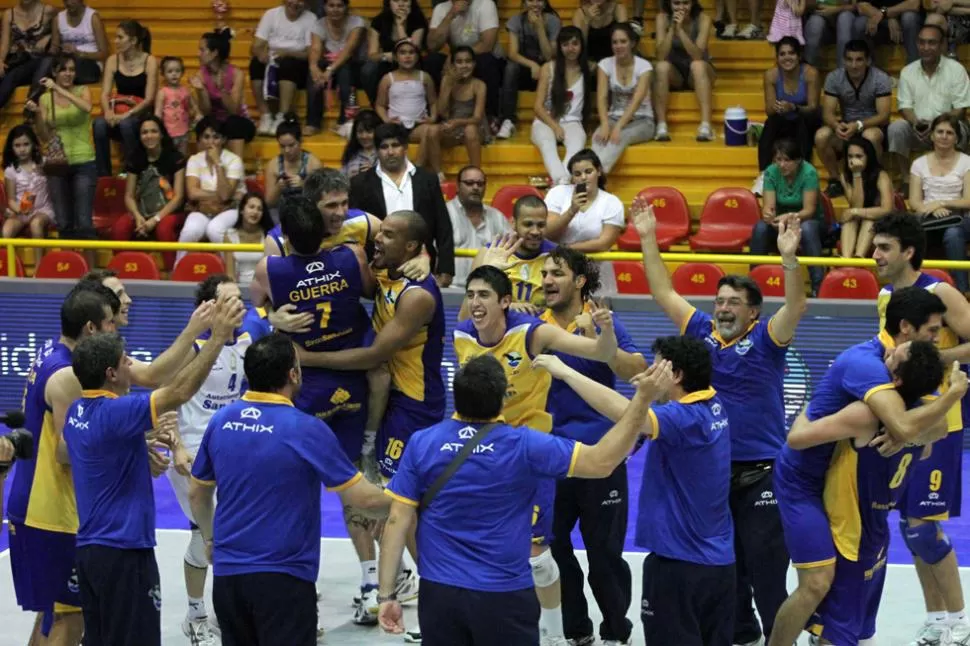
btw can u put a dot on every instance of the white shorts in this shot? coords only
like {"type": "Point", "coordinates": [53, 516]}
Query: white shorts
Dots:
{"type": "Point", "coordinates": [180, 485]}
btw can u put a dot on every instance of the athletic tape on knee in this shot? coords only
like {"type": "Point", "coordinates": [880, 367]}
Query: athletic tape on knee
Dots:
{"type": "Point", "coordinates": [545, 571]}
{"type": "Point", "coordinates": [928, 541]}
{"type": "Point", "coordinates": [195, 552]}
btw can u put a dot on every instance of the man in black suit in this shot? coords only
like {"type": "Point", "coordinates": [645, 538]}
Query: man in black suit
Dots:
{"type": "Point", "coordinates": [395, 184]}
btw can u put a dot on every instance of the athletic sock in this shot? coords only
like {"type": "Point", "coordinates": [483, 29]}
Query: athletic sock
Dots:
{"type": "Point", "coordinates": [550, 622]}
{"type": "Point", "coordinates": [959, 617]}
{"type": "Point", "coordinates": [936, 617]}
{"type": "Point", "coordinates": [197, 609]}
{"type": "Point", "coordinates": [368, 574]}
{"type": "Point", "coordinates": [868, 642]}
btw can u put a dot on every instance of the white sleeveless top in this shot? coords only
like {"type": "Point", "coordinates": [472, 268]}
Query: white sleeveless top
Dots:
{"type": "Point", "coordinates": [82, 36]}
{"type": "Point", "coordinates": [574, 101]}
{"type": "Point", "coordinates": [246, 261]}
{"type": "Point", "coordinates": [407, 100]}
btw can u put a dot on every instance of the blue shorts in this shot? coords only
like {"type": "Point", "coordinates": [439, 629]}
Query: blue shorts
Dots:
{"type": "Point", "coordinates": [44, 576]}
{"type": "Point", "coordinates": [808, 536]}
{"type": "Point", "coordinates": [340, 400]}
{"type": "Point", "coordinates": [933, 489]}
{"type": "Point", "coordinates": [848, 612]}
{"type": "Point", "coordinates": [403, 417]}
{"type": "Point", "coordinates": [542, 508]}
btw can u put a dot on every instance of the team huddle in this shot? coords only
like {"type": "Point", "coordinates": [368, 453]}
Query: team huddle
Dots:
{"type": "Point", "coordinates": [249, 410]}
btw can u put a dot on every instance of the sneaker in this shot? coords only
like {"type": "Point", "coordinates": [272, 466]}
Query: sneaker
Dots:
{"type": "Point", "coordinates": [662, 133]}
{"type": "Point", "coordinates": [750, 32]}
{"type": "Point", "coordinates": [616, 642]}
{"type": "Point", "coordinates": [506, 130]}
{"type": "Point", "coordinates": [320, 635]}
{"type": "Point", "coordinates": [730, 32]}
{"type": "Point", "coordinates": [277, 122]}
{"type": "Point", "coordinates": [413, 637]}
{"type": "Point", "coordinates": [197, 630]}
{"type": "Point", "coordinates": [931, 635]}
{"type": "Point", "coordinates": [959, 635]}
{"type": "Point", "coordinates": [636, 24]}
{"type": "Point", "coordinates": [704, 132]}
{"type": "Point", "coordinates": [834, 189]}
{"type": "Point", "coordinates": [366, 612]}
{"type": "Point", "coordinates": [265, 126]}
{"type": "Point", "coordinates": [407, 586]}
{"type": "Point", "coordinates": [344, 129]}
{"type": "Point", "coordinates": [759, 186]}
{"type": "Point", "coordinates": [588, 640]}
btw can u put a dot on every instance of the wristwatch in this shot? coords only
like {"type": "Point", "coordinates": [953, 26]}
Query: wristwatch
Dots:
{"type": "Point", "coordinates": [882, 10]}
{"type": "Point", "coordinates": [391, 597]}
{"type": "Point", "coordinates": [861, 126]}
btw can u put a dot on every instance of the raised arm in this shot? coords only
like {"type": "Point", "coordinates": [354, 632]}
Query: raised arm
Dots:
{"type": "Point", "coordinates": [547, 338]}
{"type": "Point", "coordinates": [605, 401]}
{"type": "Point", "coordinates": [782, 325]}
{"type": "Point", "coordinates": [673, 304]}
{"type": "Point", "coordinates": [164, 367]}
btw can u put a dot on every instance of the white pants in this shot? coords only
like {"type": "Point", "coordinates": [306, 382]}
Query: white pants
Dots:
{"type": "Point", "coordinates": [199, 225]}
{"type": "Point", "coordinates": [545, 140]}
{"type": "Point", "coordinates": [635, 132]}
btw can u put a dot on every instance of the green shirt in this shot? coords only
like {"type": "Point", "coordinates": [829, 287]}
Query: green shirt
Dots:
{"type": "Point", "coordinates": [789, 197]}
{"type": "Point", "coordinates": [73, 126]}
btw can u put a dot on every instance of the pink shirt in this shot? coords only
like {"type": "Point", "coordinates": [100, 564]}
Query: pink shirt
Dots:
{"type": "Point", "coordinates": [175, 110]}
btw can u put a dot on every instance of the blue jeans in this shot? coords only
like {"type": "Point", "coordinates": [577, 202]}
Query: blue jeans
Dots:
{"type": "Point", "coordinates": [764, 238]}
{"type": "Point", "coordinates": [73, 199]}
{"type": "Point", "coordinates": [126, 132]}
{"type": "Point", "coordinates": [954, 248]}
{"type": "Point", "coordinates": [819, 30]}
{"type": "Point", "coordinates": [910, 21]}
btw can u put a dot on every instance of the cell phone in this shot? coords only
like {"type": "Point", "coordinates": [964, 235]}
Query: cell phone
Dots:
{"type": "Point", "coordinates": [581, 188]}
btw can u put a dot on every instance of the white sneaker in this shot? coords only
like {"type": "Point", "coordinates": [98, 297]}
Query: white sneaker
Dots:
{"type": "Point", "coordinates": [276, 124]}
{"type": "Point", "coordinates": [407, 586]}
{"type": "Point", "coordinates": [366, 612]}
{"type": "Point", "coordinates": [616, 642]}
{"type": "Point", "coordinates": [931, 635]}
{"type": "Point", "coordinates": [750, 32]}
{"type": "Point", "coordinates": [662, 133]}
{"type": "Point", "coordinates": [197, 630]}
{"type": "Point", "coordinates": [344, 129]}
{"type": "Point", "coordinates": [506, 130]}
{"type": "Point", "coordinates": [758, 188]}
{"type": "Point", "coordinates": [960, 635]}
{"type": "Point", "coordinates": [265, 126]}
{"type": "Point", "coordinates": [589, 640]}
{"type": "Point", "coordinates": [412, 637]}
{"type": "Point", "coordinates": [704, 132]}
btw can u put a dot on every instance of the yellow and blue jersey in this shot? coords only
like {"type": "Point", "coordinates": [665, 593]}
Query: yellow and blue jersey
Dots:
{"type": "Point", "coordinates": [525, 272]}
{"type": "Point", "coordinates": [256, 323]}
{"type": "Point", "coordinates": [268, 460]}
{"type": "Point", "coordinates": [528, 389]}
{"type": "Point", "coordinates": [42, 492]}
{"type": "Point", "coordinates": [749, 375]}
{"type": "Point", "coordinates": [354, 230]}
{"type": "Point", "coordinates": [105, 437]}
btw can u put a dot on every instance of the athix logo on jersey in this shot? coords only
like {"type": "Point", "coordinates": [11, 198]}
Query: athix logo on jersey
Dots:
{"type": "Point", "coordinates": [513, 359]}
{"type": "Point", "coordinates": [78, 424]}
{"type": "Point", "coordinates": [767, 498]}
{"type": "Point", "coordinates": [455, 447]}
{"type": "Point", "coordinates": [315, 266]}
{"type": "Point", "coordinates": [80, 409]}
{"type": "Point", "coordinates": [250, 413]}
{"type": "Point", "coordinates": [466, 433]}
{"type": "Point", "coordinates": [246, 428]}
{"type": "Point", "coordinates": [716, 409]}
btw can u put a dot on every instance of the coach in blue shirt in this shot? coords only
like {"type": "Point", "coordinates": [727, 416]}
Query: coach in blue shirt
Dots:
{"type": "Point", "coordinates": [474, 535]}
{"type": "Point", "coordinates": [268, 460]}
{"type": "Point", "coordinates": [105, 435]}
{"type": "Point", "coordinates": [748, 355]}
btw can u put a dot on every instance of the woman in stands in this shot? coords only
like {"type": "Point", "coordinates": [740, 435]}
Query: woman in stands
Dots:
{"type": "Point", "coordinates": [78, 30]}
{"type": "Point", "coordinates": [582, 214]}
{"type": "Point", "coordinates": [622, 98]}
{"type": "Point", "coordinates": [532, 43]}
{"type": "Point", "coordinates": [28, 200]}
{"type": "Point", "coordinates": [399, 19]}
{"type": "Point", "coordinates": [939, 192]}
{"type": "Point", "coordinates": [683, 34]}
{"type": "Point", "coordinates": [561, 107]}
{"type": "Point", "coordinates": [284, 176]}
{"type": "Point", "coordinates": [65, 110]}
{"type": "Point", "coordinates": [154, 189]}
{"type": "Point", "coordinates": [337, 51]}
{"type": "Point", "coordinates": [219, 86]}
{"type": "Point", "coordinates": [130, 76]}
{"type": "Point", "coordinates": [25, 37]}
{"type": "Point", "coordinates": [360, 153]}
{"type": "Point", "coordinates": [791, 188]}
{"type": "Point", "coordinates": [252, 225]}
{"type": "Point", "coordinates": [869, 191]}
{"type": "Point", "coordinates": [214, 181]}
{"type": "Point", "coordinates": [595, 19]}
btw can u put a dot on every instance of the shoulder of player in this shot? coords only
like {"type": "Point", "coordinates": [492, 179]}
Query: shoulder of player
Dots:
{"type": "Point", "coordinates": [62, 382]}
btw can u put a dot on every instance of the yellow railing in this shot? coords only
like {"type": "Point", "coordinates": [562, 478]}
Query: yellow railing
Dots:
{"type": "Point", "coordinates": [11, 244]}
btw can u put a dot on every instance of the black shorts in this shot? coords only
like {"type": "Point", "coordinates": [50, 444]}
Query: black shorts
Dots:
{"type": "Point", "coordinates": [687, 604]}
{"type": "Point", "coordinates": [265, 609]}
{"type": "Point", "coordinates": [451, 616]}
{"type": "Point", "coordinates": [294, 70]}
{"type": "Point", "coordinates": [121, 596]}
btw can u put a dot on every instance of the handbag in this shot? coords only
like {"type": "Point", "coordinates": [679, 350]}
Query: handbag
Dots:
{"type": "Point", "coordinates": [55, 158]}
{"type": "Point", "coordinates": [432, 491]}
{"type": "Point", "coordinates": [123, 103]}
{"type": "Point", "coordinates": [930, 223]}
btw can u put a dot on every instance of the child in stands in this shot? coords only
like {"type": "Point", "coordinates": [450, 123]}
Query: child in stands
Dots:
{"type": "Point", "coordinates": [175, 105]}
{"type": "Point", "coordinates": [360, 153]}
{"type": "Point", "coordinates": [28, 202]}
{"type": "Point", "coordinates": [462, 105]}
{"type": "Point", "coordinates": [787, 21]}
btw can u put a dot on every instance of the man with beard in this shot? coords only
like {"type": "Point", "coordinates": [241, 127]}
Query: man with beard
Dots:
{"type": "Point", "coordinates": [748, 356]}
{"type": "Point", "coordinates": [473, 223]}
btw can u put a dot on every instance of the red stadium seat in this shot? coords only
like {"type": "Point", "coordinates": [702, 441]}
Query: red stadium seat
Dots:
{"type": "Point", "coordinates": [134, 264]}
{"type": "Point", "coordinates": [630, 278]}
{"type": "Point", "coordinates": [770, 278]}
{"type": "Point", "coordinates": [109, 204]}
{"type": "Point", "coordinates": [939, 274]}
{"type": "Point", "coordinates": [697, 279]}
{"type": "Point", "coordinates": [506, 196]}
{"type": "Point", "coordinates": [449, 190]}
{"type": "Point", "coordinates": [899, 202]}
{"type": "Point", "coordinates": [727, 219]}
{"type": "Point", "coordinates": [18, 266]}
{"type": "Point", "coordinates": [61, 264]}
{"type": "Point", "coordinates": [673, 218]}
{"type": "Point", "coordinates": [255, 185]}
{"type": "Point", "coordinates": [849, 282]}
{"type": "Point", "coordinates": [194, 267]}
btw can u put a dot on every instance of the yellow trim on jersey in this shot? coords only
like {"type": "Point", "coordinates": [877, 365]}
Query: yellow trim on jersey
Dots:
{"type": "Point", "coordinates": [262, 312]}
{"type": "Point", "coordinates": [401, 499]}
{"type": "Point", "coordinates": [259, 397]}
{"type": "Point", "coordinates": [51, 504]}
{"type": "Point", "coordinates": [815, 629]}
{"type": "Point", "coordinates": [64, 609]}
{"type": "Point", "coordinates": [841, 500]}
{"type": "Point", "coordinates": [771, 335]}
{"type": "Point", "coordinates": [574, 459]}
{"type": "Point", "coordinates": [938, 517]}
{"type": "Point", "coordinates": [876, 389]}
{"type": "Point", "coordinates": [347, 485]}
{"type": "Point", "coordinates": [205, 483]}
{"type": "Point", "coordinates": [887, 340]}
{"type": "Point", "coordinates": [472, 420]}
{"type": "Point", "coordinates": [714, 332]}
{"type": "Point", "coordinates": [91, 394]}
{"type": "Point", "coordinates": [805, 566]}
{"type": "Point", "coordinates": [656, 424]}
{"type": "Point", "coordinates": [153, 408]}
{"type": "Point", "coordinates": [687, 318]}
{"type": "Point", "coordinates": [548, 317]}
{"type": "Point", "coordinates": [697, 396]}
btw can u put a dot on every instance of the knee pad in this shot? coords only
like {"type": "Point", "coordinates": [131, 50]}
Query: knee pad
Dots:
{"type": "Point", "coordinates": [545, 571]}
{"type": "Point", "coordinates": [927, 541]}
{"type": "Point", "coordinates": [195, 552]}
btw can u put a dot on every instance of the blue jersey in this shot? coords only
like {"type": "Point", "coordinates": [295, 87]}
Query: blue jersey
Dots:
{"type": "Point", "coordinates": [572, 417]}
{"type": "Point", "coordinates": [268, 460]}
{"type": "Point", "coordinates": [41, 492]}
{"type": "Point", "coordinates": [481, 519]}
{"type": "Point", "coordinates": [256, 324]}
{"type": "Point", "coordinates": [749, 375]}
{"type": "Point", "coordinates": [684, 509]}
{"type": "Point", "coordinates": [105, 436]}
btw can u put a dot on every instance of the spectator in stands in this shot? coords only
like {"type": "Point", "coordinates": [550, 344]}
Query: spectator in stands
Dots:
{"type": "Point", "coordinates": [154, 189]}
{"type": "Point", "coordinates": [791, 103]}
{"type": "Point", "coordinates": [582, 214]}
{"type": "Point", "coordinates": [214, 180]}
{"type": "Point", "coordinates": [360, 154]}
{"type": "Point", "coordinates": [175, 105]}
{"type": "Point", "coordinates": [284, 176]}
{"type": "Point", "coordinates": [461, 105]}
{"type": "Point", "coordinates": [280, 47]}
{"type": "Point", "coordinates": [78, 30]}
{"type": "Point", "coordinates": [219, 86]}
{"type": "Point", "coordinates": [683, 33]}
{"type": "Point", "coordinates": [25, 37]}
{"type": "Point", "coordinates": [830, 21]}
{"type": "Point", "coordinates": [869, 191]}
{"type": "Point", "coordinates": [251, 227]}
{"type": "Point", "coordinates": [727, 12]}
{"type": "Point", "coordinates": [893, 21]}
{"type": "Point", "coordinates": [791, 188]}
{"type": "Point", "coordinates": [28, 200]}
{"type": "Point", "coordinates": [472, 222]}
{"type": "Point", "coordinates": [473, 23]}
{"type": "Point", "coordinates": [939, 191]}
{"type": "Point", "coordinates": [395, 184]}
{"type": "Point", "coordinates": [596, 19]}
{"type": "Point", "coordinates": [561, 105]}
{"type": "Point", "coordinates": [928, 88]}
{"type": "Point", "coordinates": [532, 37]}
{"type": "Point", "coordinates": [399, 19]}
{"type": "Point", "coordinates": [338, 49]}
{"type": "Point", "coordinates": [130, 77]}
{"type": "Point", "coordinates": [622, 98]}
{"type": "Point", "coordinates": [66, 109]}
{"type": "Point", "coordinates": [954, 18]}
{"type": "Point", "coordinates": [857, 102]}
